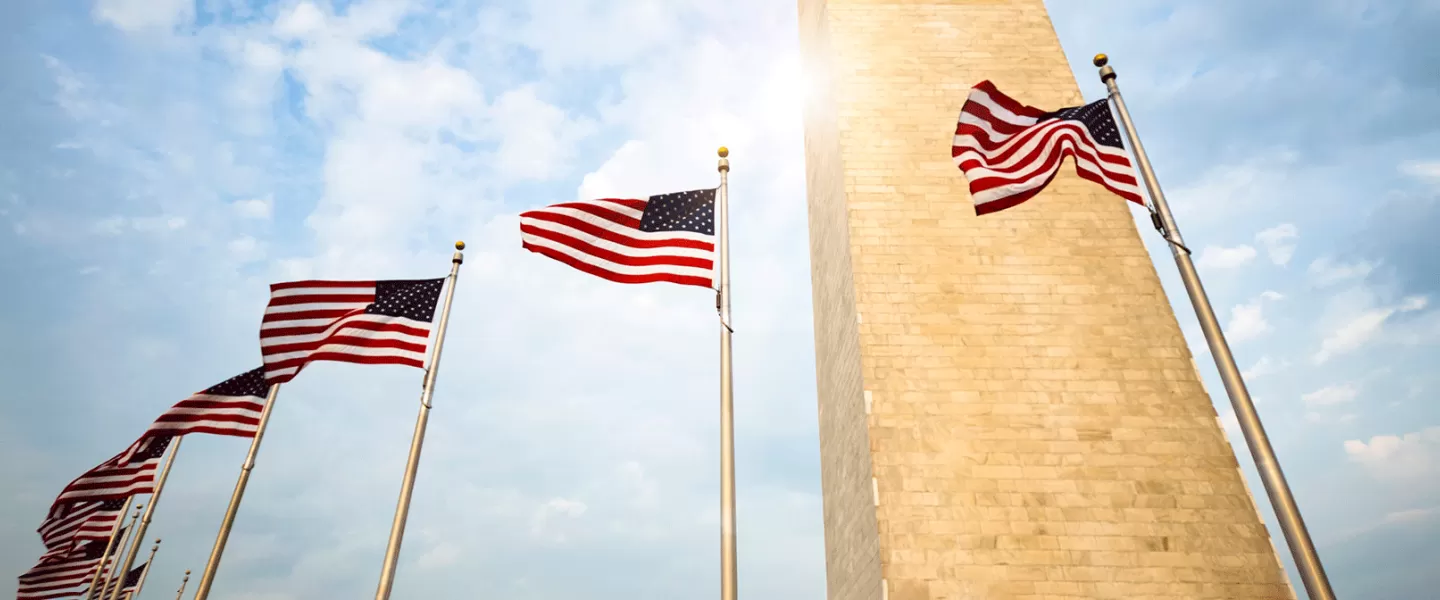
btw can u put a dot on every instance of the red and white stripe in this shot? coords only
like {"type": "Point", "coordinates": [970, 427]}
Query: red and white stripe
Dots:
{"type": "Point", "coordinates": [61, 579]}
{"type": "Point", "coordinates": [603, 238]}
{"type": "Point", "coordinates": [1009, 153]}
{"type": "Point", "coordinates": [308, 321]}
{"type": "Point", "coordinates": [109, 481]}
{"type": "Point", "coordinates": [237, 416]}
{"type": "Point", "coordinates": [77, 523]}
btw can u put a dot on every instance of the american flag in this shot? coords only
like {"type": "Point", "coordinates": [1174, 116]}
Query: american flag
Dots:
{"type": "Point", "coordinates": [367, 322]}
{"type": "Point", "coordinates": [127, 584]}
{"type": "Point", "coordinates": [231, 407]}
{"type": "Point", "coordinates": [65, 577]}
{"type": "Point", "coordinates": [126, 474]}
{"type": "Point", "coordinates": [76, 523]}
{"type": "Point", "coordinates": [669, 237]}
{"type": "Point", "coordinates": [1010, 151]}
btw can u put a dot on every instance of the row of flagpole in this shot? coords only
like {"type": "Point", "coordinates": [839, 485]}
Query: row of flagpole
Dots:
{"type": "Point", "coordinates": [729, 577]}
{"type": "Point", "coordinates": [202, 589]}
{"type": "Point", "coordinates": [109, 582]}
{"type": "Point", "coordinates": [144, 525]}
{"type": "Point", "coordinates": [1306, 558]}
{"type": "Point", "coordinates": [397, 531]}
{"type": "Point", "coordinates": [125, 542]}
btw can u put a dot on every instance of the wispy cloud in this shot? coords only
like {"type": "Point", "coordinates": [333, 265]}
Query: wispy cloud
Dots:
{"type": "Point", "coordinates": [1279, 242]}
{"type": "Point", "coordinates": [1411, 457]}
{"type": "Point", "coordinates": [1219, 257]}
{"type": "Point", "coordinates": [1363, 327]}
{"type": "Point", "coordinates": [1426, 170]}
{"type": "Point", "coordinates": [1263, 367]}
{"type": "Point", "coordinates": [255, 208]}
{"type": "Point", "coordinates": [1331, 395]}
{"type": "Point", "coordinates": [1324, 272]}
{"type": "Point", "coordinates": [1247, 321]}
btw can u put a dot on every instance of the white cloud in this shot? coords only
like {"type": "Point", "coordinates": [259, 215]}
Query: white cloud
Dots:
{"type": "Point", "coordinates": [1411, 457]}
{"type": "Point", "coordinates": [302, 21]}
{"type": "Point", "coordinates": [1362, 328]}
{"type": "Point", "coordinates": [1247, 321]}
{"type": "Point", "coordinates": [536, 136]}
{"type": "Point", "coordinates": [1328, 418]}
{"type": "Point", "coordinates": [615, 458]}
{"type": "Point", "coordinates": [440, 555]}
{"type": "Point", "coordinates": [1428, 170]}
{"type": "Point", "coordinates": [1412, 515]}
{"type": "Point", "coordinates": [1264, 366]}
{"type": "Point", "coordinates": [254, 208]}
{"type": "Point", "coordinates": [543, 523]}
{"type": "Point", "coordinates": [137, 15]}
{"type": "Point", "coordinates": [246, 249]}
{"type": "Point", "coordinates": [568, 34]}
{"type": "Point", "coordinates": [118, 225]}
{"type": "Point", "coordinates": [1331, 395]}
{"type": "Point", "coordinates": [1222, 192]}
{"type": "Point", "coordinates": [1219, 257]}
{"type": "Point", "coordinates": [1279, 242]}
{"type": "Point", "coordinates": [1325, 272]}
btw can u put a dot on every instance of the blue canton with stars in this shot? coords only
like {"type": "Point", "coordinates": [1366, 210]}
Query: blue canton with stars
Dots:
{"type": "Point", "coordinates": [1096, 118]}
{"type": "Point", "coordinates": [249, 383]}
{"type": "Point", "coordinates": [681, 211]}
{"type": "Point", "coordinates": [151, 449]}
{"type": "Point", "coordinates": [413, 299]}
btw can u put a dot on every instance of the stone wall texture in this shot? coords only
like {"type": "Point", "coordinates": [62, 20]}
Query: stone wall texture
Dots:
{"type": "Point", "coordinates": [1007, 407]}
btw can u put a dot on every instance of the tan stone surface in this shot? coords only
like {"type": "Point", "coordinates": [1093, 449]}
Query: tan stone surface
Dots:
{"type": "Point", "coordinates": [1036, 426]}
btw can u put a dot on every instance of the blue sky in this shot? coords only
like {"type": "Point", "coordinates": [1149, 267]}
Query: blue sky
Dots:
{"type": "Point", "coordinates": [163, 161]}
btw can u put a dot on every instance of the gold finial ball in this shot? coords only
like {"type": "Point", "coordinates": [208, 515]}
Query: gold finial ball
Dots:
{"type": "Point", "coordinates": [460, 245]}
{"type": "Point", "coordinates": [1101, 60]}
{"type": "Point", "coordinates": [187, 571]}
{"type": "Point", "coordinates": [724, 152]}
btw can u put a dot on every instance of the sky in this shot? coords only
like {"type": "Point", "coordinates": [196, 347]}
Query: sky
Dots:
{"type": "Point", "coordinates": [163, 161]}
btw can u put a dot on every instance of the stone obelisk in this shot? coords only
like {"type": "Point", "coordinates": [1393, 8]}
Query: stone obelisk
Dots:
{"type": "Point", "coordinates": [1008, 409]}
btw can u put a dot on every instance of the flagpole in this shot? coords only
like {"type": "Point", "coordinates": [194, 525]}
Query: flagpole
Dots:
{"type": "Point", "coordinates": [412, 465]}
{"type": "Point", "coordinates": [110, 574]}
{"type": "Point", "coordinates": [140, 585]}
{"type": "Point", "coordinates": [202, 589]}
{"type": "Point", "coordinates": [139, 536]}
{"type": "Point", "coordinates": [1307, 561]}
{"type": "Point", "coordinates": [110, 545]}
{"type": "Point", "coordinates": [728, 567]}
{"type": "Point", "coordinates": [181, 592]}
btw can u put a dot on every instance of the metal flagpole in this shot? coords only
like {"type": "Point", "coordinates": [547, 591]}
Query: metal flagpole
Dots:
{"type": "Point", "coordinates": [139, 536]}
{"type": "Point", "coordinates": [412, 465]}
{"type": "Point", "coordinates": [202, 590]}
{"type": "Point", "coordinates": [110, 574]}
{"type": "Point", "coordinates": [140, 585]}
{"type": "Point", "coordinates": [728, 566]}
{"type": "Point", "coordinates": [181, 592]}
{"type": "Point", "coordinates": [1307, 561]}
{"type": "Point", "coordinates": [114, 534]}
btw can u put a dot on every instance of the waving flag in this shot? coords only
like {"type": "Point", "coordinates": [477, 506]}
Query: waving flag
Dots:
{"type": "Point", "coordinates": [367, 322]}
{"type": "Point", "coordinates": [231, 407]}
{"type": "Point", "coordinates": [669, 237]}
{"type": "Point", "coordinates": [128, 473]}
{"type": "Point", "coordinates": [1010, 151]}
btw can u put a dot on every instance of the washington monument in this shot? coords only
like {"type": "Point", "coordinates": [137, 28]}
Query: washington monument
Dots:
{"type": "Point", "coordinates": [1008, 409]}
